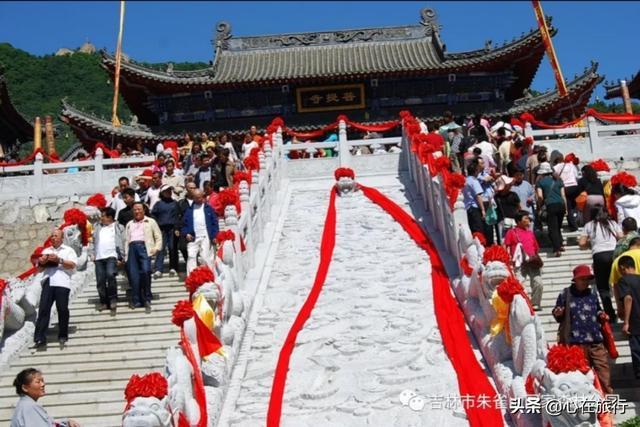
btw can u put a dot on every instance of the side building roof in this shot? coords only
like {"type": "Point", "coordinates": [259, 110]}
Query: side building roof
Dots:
{"type": "Point", "coordinates": [613, 89]}
{"type": "Point", "coordinates": [13, 125]}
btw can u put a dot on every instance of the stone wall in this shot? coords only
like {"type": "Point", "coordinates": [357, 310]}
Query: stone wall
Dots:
{"type": "Point", "coordinates": [26, 224]}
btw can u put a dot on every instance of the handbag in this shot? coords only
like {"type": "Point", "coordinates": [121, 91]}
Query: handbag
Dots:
{"type": "Point", "coordinates": [581, 200]}
{"type": "Point", "coordinates": [491, 216]}
{"type": "Point", "coordinates": [531, 262]}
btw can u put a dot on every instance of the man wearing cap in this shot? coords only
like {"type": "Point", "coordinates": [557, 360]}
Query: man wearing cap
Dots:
{"type": "Point", "coordinates": [144, 182]}
{"type": "Point", "coordinates": [579, 314]}
{"type": "Point", "coordinates": [166, 214]}
{"type": "Point", "coordinates": [200, 230]}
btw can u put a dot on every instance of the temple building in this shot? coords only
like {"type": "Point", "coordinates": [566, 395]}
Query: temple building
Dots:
{"type": "Point", "coordinates": [309, 78]}
{"type": "Point", "coordinates": [614, 90]}
{"type": "Point", "coordinates": [14, 127]}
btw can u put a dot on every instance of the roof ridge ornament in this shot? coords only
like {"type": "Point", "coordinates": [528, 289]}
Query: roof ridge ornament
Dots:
{"type": "Point", "coordinates": [223, 30]}
{"type": "Point", "coordinates": [429, 21]}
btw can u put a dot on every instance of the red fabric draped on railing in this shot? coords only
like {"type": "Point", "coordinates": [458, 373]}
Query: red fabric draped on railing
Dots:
{"type": "Point", "coordinates": [31, 157]}
{"type": "Point", "coordinates": [381, 127]}
{"type": "Point", "coordinates": [605, 117]}
{"type": "Point", "coordinates": [313, 134]}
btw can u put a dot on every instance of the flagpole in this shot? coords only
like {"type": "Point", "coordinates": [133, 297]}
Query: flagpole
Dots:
{"type": "Point", "coordinates": [551, 53]}
{"type": "Point", "coordinates": [114, 117]}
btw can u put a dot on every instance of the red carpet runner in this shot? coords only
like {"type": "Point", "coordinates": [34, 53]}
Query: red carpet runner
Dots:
{"type": "Point", "coordinates": [472, 380]}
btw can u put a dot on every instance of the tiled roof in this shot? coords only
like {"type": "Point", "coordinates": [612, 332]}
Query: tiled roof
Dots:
{"type": "Point", "coordinates": [543, 106]}
{"type": "Point", "coordinates": [13, 124]}
{"type": "Point", "coordinates": [364, 52]}
{"type": "Point", "coordinates": [92, 125]}
{"type": "Point", "coordinates": [613, 88]}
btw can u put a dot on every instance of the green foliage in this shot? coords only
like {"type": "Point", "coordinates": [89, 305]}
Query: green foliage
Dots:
{"type": "Point", "coordinates": [613, 107]}
{"type": "Point", "coordinates": [37, 84]}
{"type": "Point", "coordinates": [632, 422]}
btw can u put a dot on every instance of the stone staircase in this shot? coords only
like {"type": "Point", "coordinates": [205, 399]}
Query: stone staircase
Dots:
{"type": "Point", "coordinates": [557, 273]}
{"type": "Point", "coordinates": [86, 379]}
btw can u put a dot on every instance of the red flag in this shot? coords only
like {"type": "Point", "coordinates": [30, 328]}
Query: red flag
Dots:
{"type": "Point", "coordinates": [208, 343]}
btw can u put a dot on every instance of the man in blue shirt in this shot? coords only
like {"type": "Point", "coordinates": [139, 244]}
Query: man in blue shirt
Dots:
{"type": "Point", "coordinates": [472, 193]}
{"type": "Point", "coordinates": [523, 189]}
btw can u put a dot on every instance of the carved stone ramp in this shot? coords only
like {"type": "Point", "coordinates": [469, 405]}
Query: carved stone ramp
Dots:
{"type": "Point", "coordinates": [371, 335]}
{"type": "Point", "coordinates": [556, 275]}
{"type": "Point", "coordinates": [86, 379]}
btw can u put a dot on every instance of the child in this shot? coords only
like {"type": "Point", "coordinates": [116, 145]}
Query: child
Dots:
{"type": "Point", "coordinates": [630, 293]}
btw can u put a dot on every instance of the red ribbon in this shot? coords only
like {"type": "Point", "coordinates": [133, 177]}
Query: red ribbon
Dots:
{"type": "Point", "coordinates": [472, 380]}
{"type": "Point", "coordinates": [605, 117]}
{"type": "Point", "coordinates": [198, 383]}
{"type": "Point", "coordinates": [326, 253]}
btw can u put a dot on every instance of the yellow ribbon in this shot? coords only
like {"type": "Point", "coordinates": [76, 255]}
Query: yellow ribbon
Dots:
{"type": "Point", "coordinates": [204, 311]}
{"type": "Point", "coordinates": [501, 321]}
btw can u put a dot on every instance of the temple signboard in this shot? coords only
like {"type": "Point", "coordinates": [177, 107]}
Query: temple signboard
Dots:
{"type": "Point", "coordinates": [330, 98]}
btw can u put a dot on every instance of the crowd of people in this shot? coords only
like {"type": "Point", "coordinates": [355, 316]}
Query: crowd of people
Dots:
{"type": "Point", "coordinates": [514, 188]}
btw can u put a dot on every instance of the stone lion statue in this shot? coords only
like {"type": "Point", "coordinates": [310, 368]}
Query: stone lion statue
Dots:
{"type": "Point", "coordinates": [147, 412]}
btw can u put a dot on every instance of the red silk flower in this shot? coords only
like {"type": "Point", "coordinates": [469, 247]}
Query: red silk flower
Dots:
{"type": "Point", "coordinates": [75, 216]}
{"type": "Point", "coordinates": [344, 173]}
{"type": "Point", "coordinates": [442, 163]}
{"type": "Point", "coordinates": [152, 384]}
{"type": "Point", "coordinates": [600, 165]}
{"type": "Point", "coordinates": [198, 277]}
{"type": "Point", "coordinates": [496, 253]}
{"type": "Point", "coordinates": [566, 358]}
{"type": "Point", "coordinates": [242, 176]}
{"type": "Point", "coordinates": [251, 163]}
{"type": "Point", "coordinates": [467, 270]}
{"type": "Point", "coordinates": [97, 200]}
{"type": "Point", "coordinates": [478, 235]}
{"type": "Point", "coordinates": [225, 235]}
{"type": "Point", "coordinates": [182, 311]}
{"type": "Point", "coordinates": [278, 122]}
{"type": "Point", "coordinates": [511, 287]}
{"type": "Point", "coordinates": [453, 183]}
{"type": "Point", "coordinates": [227, 197]}
{"type": "Point", "coordinates": [625, 179]}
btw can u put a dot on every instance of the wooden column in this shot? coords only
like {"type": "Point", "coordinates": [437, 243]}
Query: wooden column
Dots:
{"type": "Point", "coordinates": [37, 134]}
{"type": "Point", "coordinates": [624, 90]}
{"type": "Point", "coordinates": [48, 129]}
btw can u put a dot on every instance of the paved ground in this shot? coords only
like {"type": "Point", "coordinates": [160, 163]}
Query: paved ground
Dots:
{"type": "Point", "coordinates": [371, 335]}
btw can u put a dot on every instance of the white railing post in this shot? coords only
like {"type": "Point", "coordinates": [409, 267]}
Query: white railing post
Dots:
{"type": "Point", "coordinates": [594, 139]}
{"type": "Point", "coordinates": [528, 130]}
{"type": "Point", "coordinates": [38, 176]}
{"type": "Point", "coordinates": [98, 170]}
{"type": "Point", "coordinates": [343, 148]}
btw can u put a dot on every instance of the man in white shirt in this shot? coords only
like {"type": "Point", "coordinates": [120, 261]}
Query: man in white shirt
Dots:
{"type": "Point", "coordinates": [107, 249]}
{"type": "Point", "coordinates": [58, 262]}
{"type": "Point", "coordinates": [200, 230]}
{"type": "Point", "coordinates": [153, 193]}
{"type": "Point", "coordinates": [117, 203]}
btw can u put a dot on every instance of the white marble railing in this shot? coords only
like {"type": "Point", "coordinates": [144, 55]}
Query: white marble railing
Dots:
{"type": "Point", "coordinates": [592, 141]}
{"type": "Point", "coordinates": [49, 180]}
{"type": "Point", "coordinates": [322, 167]}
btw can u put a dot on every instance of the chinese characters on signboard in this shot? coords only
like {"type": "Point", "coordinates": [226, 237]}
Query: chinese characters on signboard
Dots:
{"type": "Point", "coordinates": [330, 98]}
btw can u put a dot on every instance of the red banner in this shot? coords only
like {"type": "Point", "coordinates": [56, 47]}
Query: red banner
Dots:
{"type": "Point", "coordinates": [605, 117]}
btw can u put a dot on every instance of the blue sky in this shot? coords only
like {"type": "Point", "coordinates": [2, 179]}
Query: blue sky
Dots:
{"type": "Point", "coordinates": [182, 31]}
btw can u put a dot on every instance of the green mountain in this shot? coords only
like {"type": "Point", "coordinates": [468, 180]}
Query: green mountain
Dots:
{"type": "Point", "coordinates": [38, 83]}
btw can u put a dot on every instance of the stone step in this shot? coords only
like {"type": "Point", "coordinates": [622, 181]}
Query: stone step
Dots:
{"type": "Point", "coordinates": [76, 360]}
{"type": "Point", "coordinates": [75, 412]}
